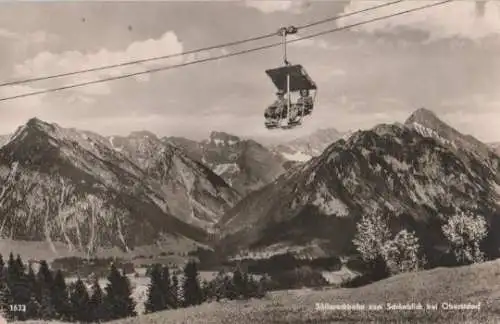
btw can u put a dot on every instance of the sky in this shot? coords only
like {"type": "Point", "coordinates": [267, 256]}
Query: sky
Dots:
{"type": "Point", "coordinates": [445, 58]}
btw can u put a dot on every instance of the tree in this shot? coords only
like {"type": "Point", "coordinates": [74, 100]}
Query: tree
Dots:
{"type": "Point", "coordinates": [96, 310]}
{"type": "Point", "coordinates": [20, 264]}
{"type": "Point", "coordinates": [118, 301]}
{"type": "Point", "coordinates": [156, 293]}
{"type": "Point", "coordinates": [60, 296]}
{"type": "Point", "coordinates": [191, 287]}
{"type": "Point", "coordinates": [79, 298]}
{"type": "Point", "coordinates": [33, 307]}
{"type": "Point", "coordinates": [5, 300]}
{"type": "Point", "coordinates": [176, 297]}
{"type": "Point", "coordinates": [371, 237]}
{"type": "Point", "coordinates": [465, 234]}
{"type": "Point", "coordinates": [4, 290]}
{"type": "Point", "coordinates": [402, 254]}
{"type": "Point", "coordinates": [18, 284]}
{"type": "Point", "coordinates": [45, 279]}
{"type": "Point", "coordinates": [13, 271]}
{"type": "Point", "coordinates": [372, 234]}
{"type": "Point", "coordinates": [168, 292]}
{"type": "Point", "coordinates": [47, 310]}
{"type": "Point", "coordinates": [239, 284]}
{"type": "Point", "coordinates": [2, 267]}
{"type": "Point", "coordinates": [228, 288]}
{"type": "Point", "coordinates": [31, 279]}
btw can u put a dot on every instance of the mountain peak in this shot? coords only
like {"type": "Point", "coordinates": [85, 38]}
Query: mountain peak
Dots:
{"type": "Point", "coordinates": [222, 137]}
{"type": "Point", "coordinates": [38, 123]}
{"type": "Point", "coordinates": [426, 123]}
{"type": "Point", "coordinates": [33, 125]}
{"type": "Point", "coordinates": [423, 116]}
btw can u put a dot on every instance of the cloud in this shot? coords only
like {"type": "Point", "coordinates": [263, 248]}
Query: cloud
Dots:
{"type": "Point", "coordinates": [468, 19]}
{"type": "Point", "coordinates": [47, 63]}
{"type": "Point", "coordinates": [37, 37]}
{"type": "Point", "coordinates": [272, 6]}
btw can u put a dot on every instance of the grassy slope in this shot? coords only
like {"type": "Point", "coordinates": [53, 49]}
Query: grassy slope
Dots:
{"type": "Point", "coordinates": [477, 283]}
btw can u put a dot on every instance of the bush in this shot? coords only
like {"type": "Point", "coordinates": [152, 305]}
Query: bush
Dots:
{"type": "Point", "coordinates": [465, 234]}
{"type": "Point", "coordinates": [372, 234]}
{"type": "Point", "coordinates": [402, 254]}
{"type": "Point", "coordinates": [381, 254]}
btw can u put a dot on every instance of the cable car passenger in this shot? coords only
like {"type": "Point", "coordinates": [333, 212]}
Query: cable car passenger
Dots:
{"type": "Point", "coordinates": [306, 101]}
{"type": "Point", "coordinates": [278, 107]}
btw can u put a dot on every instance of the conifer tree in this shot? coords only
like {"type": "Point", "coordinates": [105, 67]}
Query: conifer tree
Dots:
{"type": "Point", "coordinates": [20, 264]}
{"type": "Point", "coordinates": [4, 292]}
{"type": "Point", "coordinates": [176, 295]}
{"type": "Point", "coordinates": [60, 297]}
{"type": "Point", "coordinates": [118, 301]}
{"type": "Point", "coordinates": [247, 287]}
{"type": "Point", "coordinates": [79, 299]}
{"type": "Point", "coordinates": [167, 289]}
{"type": "Point", "coordinates": [191, 289]}
{"type": "Point", "coordinates": [43, 292]}
{"type": "Point", "coordinates": [45, 274]}
{"type": "Point", "coordinates": [33, 307]}
{"type": "Point", "coordinates": [229, 289]}
{"type": "Point", "coordinates": [13, 271]}
{"type": "Point", "coordinates": [156, 293]}
{"type": "Point", "coordinates": [238, 283]}
{"type": "Point", "coordinates": [31, 278]}
{"type": "Point", "coordinates": [47, 311]}
{"type": "Point", "coordinates": [5, 300]}
{"type": "Point", "coordinates": [18, 285]}
{"type": "Point", "coordinates": [96, 310]}
{"type": "Point", "coordinates": [2, 267]}
{"type": "Point", "coordinates": [44, 279]}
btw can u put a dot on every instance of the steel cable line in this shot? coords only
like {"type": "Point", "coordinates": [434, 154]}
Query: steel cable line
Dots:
{"type": "Point", "coordinates": [164, 57]}
{"type": "Point", "coordinates": [255, 49]}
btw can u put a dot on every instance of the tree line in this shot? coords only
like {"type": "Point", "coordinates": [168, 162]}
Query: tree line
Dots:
{"type": "Point", "coordinates": [46, 295]}
{"type": "Point", "coordinates": [164, 291]}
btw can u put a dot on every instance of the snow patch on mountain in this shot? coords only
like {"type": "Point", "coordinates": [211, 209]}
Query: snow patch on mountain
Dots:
{"type": "Point", "coordinates": [304, 148]}
{"type": "Point", "coordinates": [226, 168]}
{"type": "Point", "coordinates": [428, 132]}
{"type": "Point", "coordinates": [113, 146]}
{"type": "Point", "coordinates": [297, 156]}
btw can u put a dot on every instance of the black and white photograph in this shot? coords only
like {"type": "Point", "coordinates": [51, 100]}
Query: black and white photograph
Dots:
{"type": "Point", "coordinates": [250, 161]}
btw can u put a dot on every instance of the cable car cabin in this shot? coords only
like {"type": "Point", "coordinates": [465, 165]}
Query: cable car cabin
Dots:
{"type": "Point", "coordinates": [290, 79]}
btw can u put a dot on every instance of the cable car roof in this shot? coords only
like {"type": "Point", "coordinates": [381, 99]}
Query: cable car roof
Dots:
{"type": "Point", "coordinates": [299, 79]}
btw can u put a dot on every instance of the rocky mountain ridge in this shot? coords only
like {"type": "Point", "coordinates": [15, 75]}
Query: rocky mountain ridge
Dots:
{"type": "Point", "coordinates": [59, 184]}
{"type": "Point", "coordinates": [417, 174]}
{"type": "Point", "coordinates": [243, 163]}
